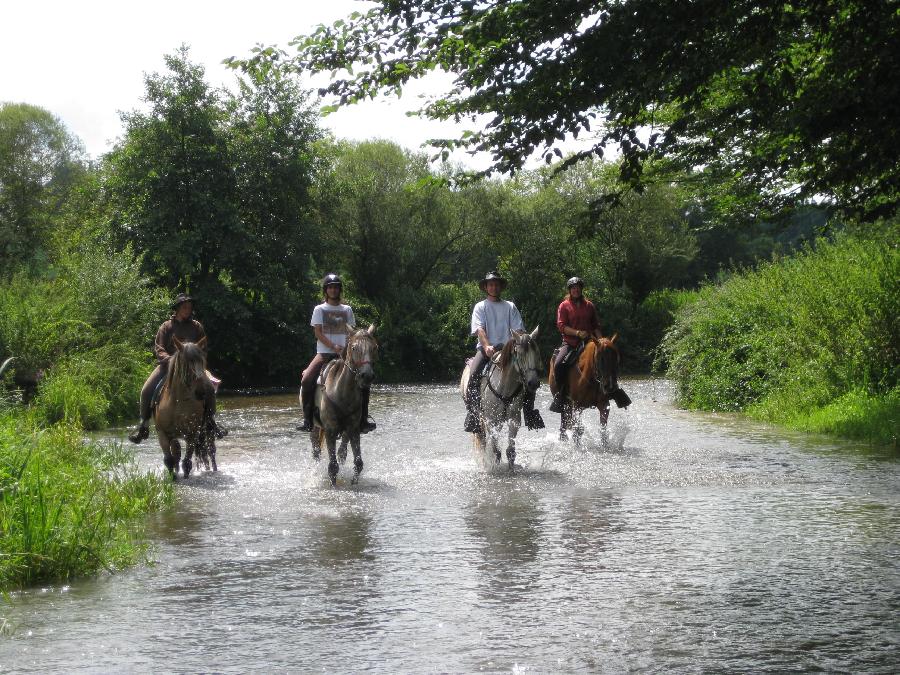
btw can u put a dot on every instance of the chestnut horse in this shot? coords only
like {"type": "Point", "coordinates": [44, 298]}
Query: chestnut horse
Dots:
{"type": "Point", "coordinates": [592, 381]}
{"type": "Point", "coordinates": [179, 413]}
{"type": "Point", "coordinates": [339, 401]}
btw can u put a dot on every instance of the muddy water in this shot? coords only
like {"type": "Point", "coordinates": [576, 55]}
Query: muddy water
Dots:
{"type": "Point", "coordinates": [685, 542]}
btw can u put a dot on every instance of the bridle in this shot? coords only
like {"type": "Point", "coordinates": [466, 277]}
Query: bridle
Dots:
{"type": "Point", "coordinates": [521, 369]}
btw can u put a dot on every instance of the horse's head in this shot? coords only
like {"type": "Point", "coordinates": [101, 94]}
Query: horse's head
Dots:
{"type": "Point", "coordinates": [522, 350]}
{"type": "Point", "coordinates": [606, 364]}
{"type": "Point", "coordinates": [362, 351]}
{"type": "Point", "coordinates": [189, 361]}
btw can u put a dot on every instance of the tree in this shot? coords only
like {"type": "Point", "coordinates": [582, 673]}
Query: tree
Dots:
{"type": "Point", "coordinates": [40, 161]}
{"type": "Point", "coordinates": [790, 100]}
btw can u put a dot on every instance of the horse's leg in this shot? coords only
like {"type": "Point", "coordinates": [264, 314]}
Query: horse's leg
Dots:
{"type": "Point", "coordinates": [577, 429]}
{"type": "Point", "coordinates": [565, 420]}
{"type": "Point", "coordinates": [333, 466]}
{"type": "Point", "coordinates": [187, 464]}
{"type": "Point", "coordinates": [342, 449]}
{"type": "Point", "coordinates": [166, 444]}
{"type": "Point", "coordinates": [357, 455]}
{"type": "Point", "coordinates": [175, 448]}
{"type": "Point", "coordinates": [315, 439]}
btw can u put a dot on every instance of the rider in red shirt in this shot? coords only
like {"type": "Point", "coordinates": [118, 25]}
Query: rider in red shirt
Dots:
{"type": "Point", "coordinates": [576, 319]}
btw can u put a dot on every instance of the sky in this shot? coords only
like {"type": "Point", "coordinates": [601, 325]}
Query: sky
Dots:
{"type": "Point", "coordinates": [85, 61]}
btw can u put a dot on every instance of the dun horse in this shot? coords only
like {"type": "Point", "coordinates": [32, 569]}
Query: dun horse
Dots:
{"type": "Point", "coordinates": [503, 386]}
{"type": "Point", "coordinates": [593, 381]}
{"type": "Point", "coordinates": [339, 401]}
{"type": "Point", "coordinates": [179, 413]}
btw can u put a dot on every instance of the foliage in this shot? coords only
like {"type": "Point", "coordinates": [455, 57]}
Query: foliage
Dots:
{"type": "Point", "coordinates": [795, 336]}
{"type": "Point", "coordinates": [212, 189]}
{"type": "Point", "coordinates": [745, 89]}
{"type": "Point", "coordinates": [68, 508]}
{"type": "Point", "coordinates": [39, 163]}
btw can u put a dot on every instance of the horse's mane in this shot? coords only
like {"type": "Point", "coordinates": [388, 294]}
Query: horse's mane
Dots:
{"type": "Point", "coordinates": [586, 360]}
{"type": "Point", "coordinates": [506, 353]}
{"type": "Point", "coordinates": [187, 365]}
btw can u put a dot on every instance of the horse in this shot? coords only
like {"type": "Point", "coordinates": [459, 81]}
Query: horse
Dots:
{"type": "Point", "coordinates": [180, 410]}
{"type": "Point", "coordinates": [592, 381]}
{"type": "Point", "coordinates": [513, 370]}
{"type": "Point", "coordinates": [339, 401]}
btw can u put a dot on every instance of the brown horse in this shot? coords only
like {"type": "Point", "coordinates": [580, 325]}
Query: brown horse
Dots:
{"type": "Point", "coordinates": [179, 413]}
{"type": "Point", "coordinates": [339, 401]}
{"type": "Point", "coordinates": [593, 381]}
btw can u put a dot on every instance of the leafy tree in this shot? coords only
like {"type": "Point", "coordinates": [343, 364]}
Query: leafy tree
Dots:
{"type": "Point", "coordinates": [787, 100]}
{"type": "Point", "coordinates": [40, 161]}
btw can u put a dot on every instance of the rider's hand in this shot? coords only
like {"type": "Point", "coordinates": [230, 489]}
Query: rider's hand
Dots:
{"type": "Point", "coordinates": [582, 334]}
{"type": "Point", "coordinates": [489, 351]}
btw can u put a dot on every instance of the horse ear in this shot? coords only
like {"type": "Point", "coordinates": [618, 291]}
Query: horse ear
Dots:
{"type": "Point", "coordinates": [535, 332]}
{"type": "Point", "coordinates": [202, 342]}
{"type": "Point", "coordinates": [178, 344]}
{"type": "Point", "coordinates": [371, 329]}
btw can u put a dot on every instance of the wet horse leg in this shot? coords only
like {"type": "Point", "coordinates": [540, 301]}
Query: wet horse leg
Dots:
{"type": "Point", "coordinates": [315, 439]}
{"type": "Point", "coordinates": [513, 425]}
{"type": "Point", "coordinates": [187, 464]}
{"type": "Point", "coordinates": [357, 455]}
{"type": "Point", "coordinates": [166, 444]}
{"type": "Point", "coordinates": [333, 466]}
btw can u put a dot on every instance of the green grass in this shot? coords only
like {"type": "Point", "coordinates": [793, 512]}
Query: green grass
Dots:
{"type": "Point", "coordinates": [68, 508]}
{"type": "Point", "coordinates": [809, 341]}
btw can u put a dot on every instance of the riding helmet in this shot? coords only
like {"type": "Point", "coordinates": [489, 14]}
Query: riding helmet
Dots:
{"type": "Point", "coordinates": [493, 275]}
{"type": "Point", "coordinates": [331, 279]}
{"type": "Point", "coordinates": [179, 300]}
{"type": "Point", "coordinates": [575, 281]}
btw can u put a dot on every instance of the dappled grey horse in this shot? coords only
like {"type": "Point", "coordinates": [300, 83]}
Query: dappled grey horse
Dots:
{"type": "Point", "coordinates": [339, 401]}
{"type": "Point", "coordinates": [512, 372]}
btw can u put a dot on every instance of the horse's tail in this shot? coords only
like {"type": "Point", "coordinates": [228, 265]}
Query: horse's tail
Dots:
{"type": "Point", "coordinates": [6, 364]}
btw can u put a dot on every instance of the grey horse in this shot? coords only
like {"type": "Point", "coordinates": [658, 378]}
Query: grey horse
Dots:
{"type": "Point", "coordinates": [512, 371]}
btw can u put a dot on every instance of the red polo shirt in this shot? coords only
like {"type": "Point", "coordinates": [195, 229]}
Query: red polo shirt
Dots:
{"type": "Point", "coordinates": [580, 316]}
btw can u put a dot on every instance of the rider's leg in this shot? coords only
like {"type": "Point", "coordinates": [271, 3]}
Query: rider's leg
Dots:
{"type": "Point", "coordinates": [147, 390]}
{"type": "Point", "coordinates": [473, 393]}
{"type": "Point", "coordinates": [366, 424]}
{"type": "Point", "coordinates": [561, 376]}
{"type": "Point", "coordinates": [308, 390]}
{"type": "Point", "coordinates": [533, 419]}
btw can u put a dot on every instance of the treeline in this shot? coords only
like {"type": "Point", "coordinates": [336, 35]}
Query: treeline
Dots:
{"type": "Point", "coordinates": [239, 198]}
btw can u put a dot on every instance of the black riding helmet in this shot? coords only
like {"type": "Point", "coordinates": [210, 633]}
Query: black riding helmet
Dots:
{"type": "Point", "coordinates": [331, 279]}
{"type": "Point", "coordinates": [493, 275]}
{"type": "Point", "coordinates": [179, 300]}
{"type": "Point", "coordinates": [575, 281]}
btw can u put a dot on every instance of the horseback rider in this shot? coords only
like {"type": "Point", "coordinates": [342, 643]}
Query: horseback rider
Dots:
{"type": "Point", "coordinates": [184, 327]}
{"type": "Point", "coordinates": [492, 320]}
{"type": "Point", "coordinates": [577, 321]}
{"type": "Point", "coordinates": [330, 321]}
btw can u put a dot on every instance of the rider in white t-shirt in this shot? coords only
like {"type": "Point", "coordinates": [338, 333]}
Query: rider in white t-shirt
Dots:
{"type": "Point", "coordinates": [330, 321]}
{"type": "Point", "coordinates": [492, 320]}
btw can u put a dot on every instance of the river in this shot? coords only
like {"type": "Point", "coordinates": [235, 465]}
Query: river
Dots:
{"type": "Point", "coordinates": [688, 542]}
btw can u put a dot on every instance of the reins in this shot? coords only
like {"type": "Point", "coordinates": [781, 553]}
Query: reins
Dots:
{"type": "Point", "coordinates": [507, 400]}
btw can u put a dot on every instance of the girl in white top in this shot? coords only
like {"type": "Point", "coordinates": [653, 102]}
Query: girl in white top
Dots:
{"type": "Point", "coordinates": [330, 321]}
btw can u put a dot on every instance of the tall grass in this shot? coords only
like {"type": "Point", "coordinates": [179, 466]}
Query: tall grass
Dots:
{"type": "Point", "coordinates": [68, 508]}
{"type": "Point", "coordinates": [809, 341]}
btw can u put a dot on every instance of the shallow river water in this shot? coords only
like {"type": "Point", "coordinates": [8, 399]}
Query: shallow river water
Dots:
{"type": "Point", "coordinates": [686, 542]}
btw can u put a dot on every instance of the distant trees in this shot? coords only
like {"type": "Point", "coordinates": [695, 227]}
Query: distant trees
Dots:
{"type": "Point", "coordinates": [40, 161]}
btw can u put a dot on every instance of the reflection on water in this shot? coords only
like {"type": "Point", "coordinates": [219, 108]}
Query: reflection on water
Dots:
{"type": "Point", "coordinates": [681, 542]}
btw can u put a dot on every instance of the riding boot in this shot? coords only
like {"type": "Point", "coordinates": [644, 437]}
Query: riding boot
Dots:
{"type": "Point", "coordinates": [473, 405]}
{"type": "Point", "coordinates": [308, 405]}
{"type": "Point", "coordinates": [139, 434]}
{"type": "Point", "coordinates": [559, 399]}
{"type": "Point", "coordinates": [366, 424]}
{"type": "Point", "coordinates": [533, 419]}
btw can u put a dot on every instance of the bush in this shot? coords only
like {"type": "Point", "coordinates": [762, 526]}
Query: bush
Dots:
{"type": "Point", "coordinates": [795, 336]}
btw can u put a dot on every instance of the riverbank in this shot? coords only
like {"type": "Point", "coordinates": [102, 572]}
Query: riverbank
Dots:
{"type": "Point", "coordinates": [69, 508]}
{"type": "Point", "coordinates": [809, 342]}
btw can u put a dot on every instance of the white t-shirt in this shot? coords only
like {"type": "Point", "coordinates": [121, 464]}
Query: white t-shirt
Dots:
{"type": "Point", "coordinates": [334, 320]}
{"type": "Point", "coordinates": [497, 318]}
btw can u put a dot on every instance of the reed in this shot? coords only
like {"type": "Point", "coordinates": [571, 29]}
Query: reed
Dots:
{"type": "Point", "coordinates": [68, 508]}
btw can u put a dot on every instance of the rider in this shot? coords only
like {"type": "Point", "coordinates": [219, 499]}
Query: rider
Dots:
{"type": "Point", "coordinates": [492, 321]}
{"type": "Point", "coordinates": [183, 326]}
{"type": "Point", "coordinates": [329, 321]}
{"type": "Point", "coordinates": [576, 319]}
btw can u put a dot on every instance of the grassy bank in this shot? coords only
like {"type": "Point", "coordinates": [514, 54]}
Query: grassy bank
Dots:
{"type": "Point", "coordinates": [68, 508]}
{"type": "Point", "coordinates": [810, 342]}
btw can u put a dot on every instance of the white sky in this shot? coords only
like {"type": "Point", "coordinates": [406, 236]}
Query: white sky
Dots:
{"type": "Point", "coordinates": [85, 61]}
